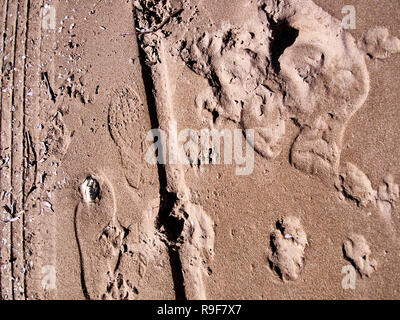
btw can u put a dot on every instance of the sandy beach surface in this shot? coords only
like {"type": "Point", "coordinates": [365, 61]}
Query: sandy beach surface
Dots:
{"type": "Point", "coordinates": [199, 149]}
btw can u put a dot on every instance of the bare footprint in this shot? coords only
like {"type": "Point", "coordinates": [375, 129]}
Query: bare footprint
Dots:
{"type": "Point", "coordinates": [378, 44]}
{"type": "Point", "coordinates": [357, 251]}
{"type": "Point", "coordinates": [98, 234]}
{"type": "Point", "coordinates": [288, 243]}
{"type": "Point", "coordinates": [356, 186]}
{"type": "Point", "coordinates": [388, 195]}
{"type": "Point", "coordinates": [325, 80]}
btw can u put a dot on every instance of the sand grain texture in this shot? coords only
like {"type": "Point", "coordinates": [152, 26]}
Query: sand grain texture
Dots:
{"type": "Point", "coordinates": [86, 215]}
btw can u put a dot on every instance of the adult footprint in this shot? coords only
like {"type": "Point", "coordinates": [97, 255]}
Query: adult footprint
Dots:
{"type": "Point", "coordinates": [325, 79]}
{"type": "Point", "coordinates": [98, 234]}
{"type": "Point", "coordinates": [127, 126]}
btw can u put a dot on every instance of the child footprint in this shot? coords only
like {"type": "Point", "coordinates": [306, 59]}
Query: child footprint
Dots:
{"type": "Point", "coordinates": [98, 234]}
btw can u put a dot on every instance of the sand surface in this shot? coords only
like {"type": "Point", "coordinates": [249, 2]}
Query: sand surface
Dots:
{"type": "Point", "coordinates": [300, 201]}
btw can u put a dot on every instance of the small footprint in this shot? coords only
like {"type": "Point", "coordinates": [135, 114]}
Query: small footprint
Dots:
{"type": "Point", "coordinates": [288, 243]}
{"type": "Point", "coordinates": [388, 195]}
{"type": "Point", "coordinates": [357, 251]}
{"type": "Point", "coordinates": [120, 288]}
{"type": "Point", "coordinates": [57, 137]}
{"type": "Point", "coordinates": [378, 43]}
{"type": "Point", "coordinates": [356, 185]}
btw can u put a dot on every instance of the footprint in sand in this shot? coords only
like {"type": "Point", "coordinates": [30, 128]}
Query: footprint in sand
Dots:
{"type": "Point", "coordinates": [325, 80]}
{"type": "Point", "coordinates": [356, 186]}
{"type": "Point", "coordinates": [377, 43]}
{"type": "Point", "coordinates": [295, 63]}
{"type": "Point", "coordinates": [99, 236]}
{"type": "Point", "coordinates": [356, 249]}
{"type": "Point", "coordinates": [56, 137]}
{"type": "Point", "coordinates": [236, 60]}
{"type": "Point", "coordinates": [127, 119]}
{"type": "Point", "coordinates": [117, 261]}
{"type": "Point", "coordinates": [288, 243]}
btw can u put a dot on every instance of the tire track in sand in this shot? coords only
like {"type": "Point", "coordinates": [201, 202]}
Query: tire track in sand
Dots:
{"type": "Point", "coordinates": [15, 140]}
{"type": "Point", "coordinates": [5, 271]}
{"type": "Point", "coordinates": [31, 135]}
{"type": "Point", "coordinates": [13, 119]}
{"type": "Point", "coordinates": [7, 81]}
{"type": "Point", "coordinates": [18, 143]}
